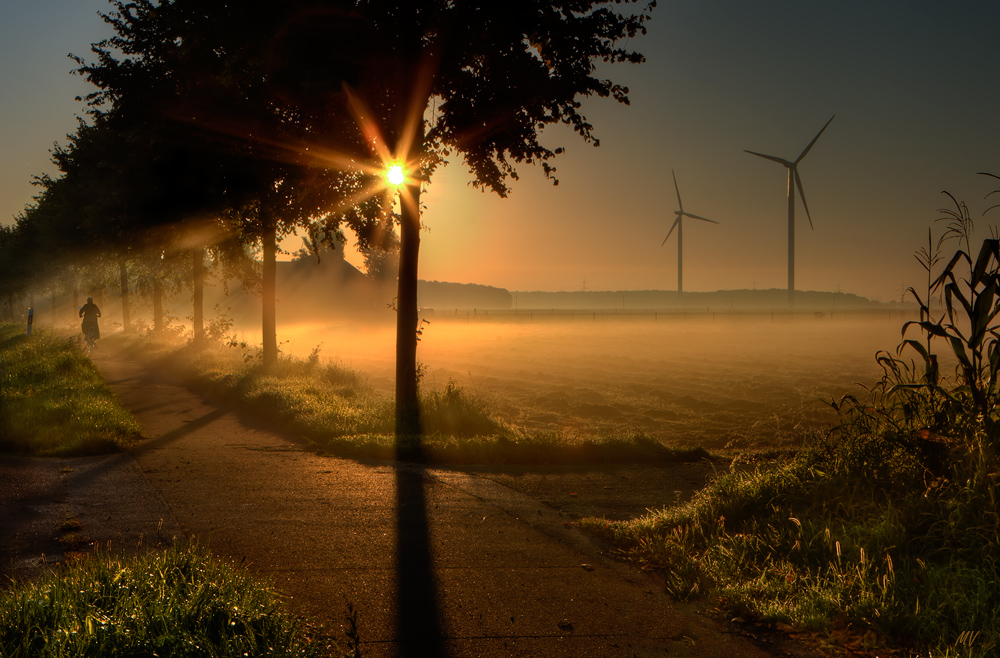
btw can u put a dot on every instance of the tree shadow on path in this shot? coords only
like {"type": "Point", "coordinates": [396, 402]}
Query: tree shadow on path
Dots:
{"type": "Point", "coordinates": [418, 621]}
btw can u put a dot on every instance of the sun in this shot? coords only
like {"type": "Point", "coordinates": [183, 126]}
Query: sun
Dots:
{"type": "Point", "coordinates": [394, 173]}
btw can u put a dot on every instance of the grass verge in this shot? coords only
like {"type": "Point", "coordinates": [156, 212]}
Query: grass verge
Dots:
{"type": "Point", "coordinates": [865, 556]}
{"type": "Point", "coordinates": [335, 410]}
{"type": "Point", "coordinates": [176, 602]}
{"type": "Point", "coordinates": [53, 401]}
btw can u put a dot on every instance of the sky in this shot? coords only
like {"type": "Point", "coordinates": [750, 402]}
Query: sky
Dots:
{"type": "Point", "coordinates": [912, 85]}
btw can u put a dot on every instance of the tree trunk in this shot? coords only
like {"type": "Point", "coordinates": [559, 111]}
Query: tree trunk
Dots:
{"type": "Point", "coordinates": [198, 294]}
{"type": "Point", "coordinates": [407, 403]}
{"type": "Point", "coordinates": [157, 304]}
{"type": "Point", "coordinates": [123, 278]}
{"type": "Point", "coordinates": [268, 314]}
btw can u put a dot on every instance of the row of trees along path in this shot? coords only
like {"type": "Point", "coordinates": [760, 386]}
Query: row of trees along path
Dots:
{"type": "Point", "coordinates": [217, 128]}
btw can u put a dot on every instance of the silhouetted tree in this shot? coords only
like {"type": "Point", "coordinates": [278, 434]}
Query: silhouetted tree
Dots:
{"type": "Point", "coordinates": [100, 200]}
{"type": "Point", "coordinates": [271, 84]}
{"type": "Point", "coordinates": [495, 75]}
{"type": "Point", "coordinates": [221, 77]}
{"type": "Point", "coordinates": [15, 269]}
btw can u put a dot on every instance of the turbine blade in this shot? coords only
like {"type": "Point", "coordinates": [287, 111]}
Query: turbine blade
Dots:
{"type": "Point", "coordinates": [770, 157]}
{"type": "Point", "coordinates": [679, 204]}
{"type": "Point", "coordinates": [798, 184]}
{"type": "Point", "coordinates": [704, 219]}
{"type": "Point", "coordinates": [676, 222]}
{"type": "Point", "coordinates": [814, 140]}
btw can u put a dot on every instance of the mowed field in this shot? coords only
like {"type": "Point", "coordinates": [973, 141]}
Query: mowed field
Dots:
{"type": "Point", "coordinates": [722, 381]}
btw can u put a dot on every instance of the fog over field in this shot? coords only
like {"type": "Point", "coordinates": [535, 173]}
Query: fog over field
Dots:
{"type": "Point", "coordinates": [730, 375]}
{"type": "Point", "coordinates": [733, 380]}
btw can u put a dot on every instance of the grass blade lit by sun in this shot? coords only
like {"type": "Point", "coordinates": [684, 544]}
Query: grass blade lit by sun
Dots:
{"type": "Point", "coordinates": [176, 602]}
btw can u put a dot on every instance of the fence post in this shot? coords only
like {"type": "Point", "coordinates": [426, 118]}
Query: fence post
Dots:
{"type": "Point", "coordinates": [31, 316]}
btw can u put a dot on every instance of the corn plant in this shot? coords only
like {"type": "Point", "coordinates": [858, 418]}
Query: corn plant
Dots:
{"type": "Point", "coordinates": [959, 226]}
{"type": "Point", "coordinates": [947, 420]}
{"type": "Point", "coordinates": [997, 192]}
{"type": "Point", "coordinates": [928, 258]}
{"type": "Point", "coordinates": [969, 327]}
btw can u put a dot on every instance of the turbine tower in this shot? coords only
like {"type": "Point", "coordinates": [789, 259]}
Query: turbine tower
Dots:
{"type": "Point", "coordinates": [793, 182]}
{"type": "Point", "coordinates": [679, 225]}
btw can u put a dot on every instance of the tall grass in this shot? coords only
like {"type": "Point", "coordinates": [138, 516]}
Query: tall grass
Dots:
{"type": "Point", "coordinates": [886, 534]}
{"type": "Point", "coordinates": [176, 602]}
{"type": "Point", "coordinates": [885, 562]}
{"type": "Point", "coordinates": [53, 401]}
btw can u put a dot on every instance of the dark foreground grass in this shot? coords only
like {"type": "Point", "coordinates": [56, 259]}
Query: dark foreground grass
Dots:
{"type": "Point", "coordinates": [337, 411]}
{"type": "Point", "coordinates": [53, 401]}
{"type": "Point", "coordinates": [176, 602]}
{"type": "Point", "coordinates": [819, 545]}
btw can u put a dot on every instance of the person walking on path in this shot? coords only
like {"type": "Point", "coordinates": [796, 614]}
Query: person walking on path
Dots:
{"type": "Point", "coordinates": [90, 327]}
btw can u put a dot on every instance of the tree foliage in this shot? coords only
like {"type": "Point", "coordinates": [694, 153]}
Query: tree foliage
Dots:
{"type": "Point", "coordinates": [488, 78]}
{"type": "Point", "coordinates": [213, 76]}
{"type": "Point", "coordinates": [266, 117]}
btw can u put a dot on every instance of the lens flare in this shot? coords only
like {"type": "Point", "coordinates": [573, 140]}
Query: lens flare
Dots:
{"type": "Point", "coordinates": [395, 174]}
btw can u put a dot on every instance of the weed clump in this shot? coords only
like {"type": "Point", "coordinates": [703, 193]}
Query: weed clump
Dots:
{"type": "Point", "coordinates": [454, 412]}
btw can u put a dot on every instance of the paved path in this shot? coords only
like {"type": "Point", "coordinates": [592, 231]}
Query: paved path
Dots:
{"type": "Point", "coordinates": [437, 562]}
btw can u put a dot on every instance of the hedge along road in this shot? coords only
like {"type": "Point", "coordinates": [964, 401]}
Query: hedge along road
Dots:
{"type": "Point", "coordinates": [437, 562]}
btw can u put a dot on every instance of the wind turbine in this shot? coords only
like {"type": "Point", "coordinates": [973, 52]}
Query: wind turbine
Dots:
{"type": "Point", "coordinates": [679, 225]}
{"type": "Point", "coordinates": [793, 182]}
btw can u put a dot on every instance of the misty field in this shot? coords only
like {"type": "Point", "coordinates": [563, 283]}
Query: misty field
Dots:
{"type": "Point", "coordinates": [722, 381]}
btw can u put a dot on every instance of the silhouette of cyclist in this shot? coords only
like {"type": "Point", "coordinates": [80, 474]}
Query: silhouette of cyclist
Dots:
{"type": "Point", "coordinates": [89, 312]}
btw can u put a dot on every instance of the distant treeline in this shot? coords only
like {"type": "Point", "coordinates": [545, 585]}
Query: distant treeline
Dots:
{"type": "Point", "coordinates": [773, 298]}
{"type": "Point", "coordinates": [442, 294]}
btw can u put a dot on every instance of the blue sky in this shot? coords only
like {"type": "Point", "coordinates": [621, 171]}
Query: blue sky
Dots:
{"type": "Point", "coordinates": [912, 84]}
